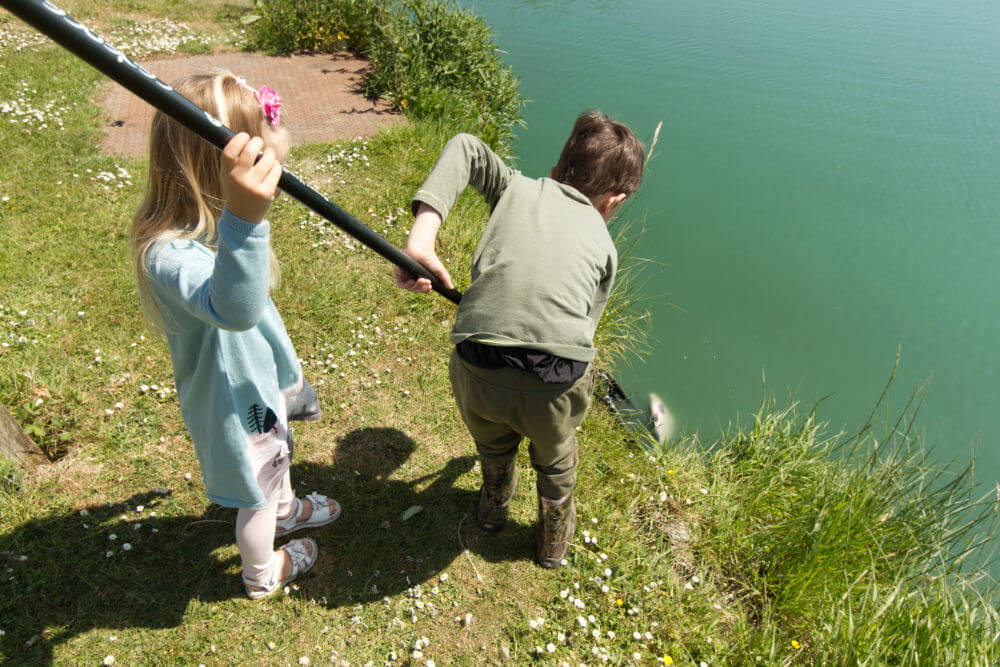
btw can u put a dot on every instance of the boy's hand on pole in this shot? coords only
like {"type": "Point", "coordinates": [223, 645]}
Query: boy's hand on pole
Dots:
{"type": "Point", "coordinates": [248, 184]}
{"type": "Point", "coordinates": [420, 246]}
{"type": "Point", "coordinates": [430, 261]}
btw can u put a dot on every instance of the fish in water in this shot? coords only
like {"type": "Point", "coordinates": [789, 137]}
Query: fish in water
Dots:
{"type": "Point", "coordinates": [658, 423]}
{"type": "Point", "coordinates": [663, 420]}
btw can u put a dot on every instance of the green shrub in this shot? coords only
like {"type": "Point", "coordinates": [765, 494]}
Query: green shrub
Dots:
{"type": "Point", "coordinates": [429, 58]}
{"type": "Point", "coordinates": [288, 26]}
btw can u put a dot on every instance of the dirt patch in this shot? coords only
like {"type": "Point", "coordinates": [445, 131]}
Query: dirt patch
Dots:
{"type": "Point", "coordinates": [321, 95]}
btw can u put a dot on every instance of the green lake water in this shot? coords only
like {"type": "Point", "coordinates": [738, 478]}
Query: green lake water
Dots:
{"type": "Point", "coordinates": [826, 190]}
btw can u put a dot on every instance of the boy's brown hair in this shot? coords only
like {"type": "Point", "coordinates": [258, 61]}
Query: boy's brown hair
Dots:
{"type": "Point", "coordinates": [600, 156]}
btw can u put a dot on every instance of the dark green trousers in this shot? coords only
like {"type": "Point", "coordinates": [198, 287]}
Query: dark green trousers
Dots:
{"type": "Point", "coordinates": [502, 406]}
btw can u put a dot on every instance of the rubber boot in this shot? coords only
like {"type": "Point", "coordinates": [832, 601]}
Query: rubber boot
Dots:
{"type": "Point", "coordinates": [499, 487]}
{"type": "Point", "coordinates": [556, 525]}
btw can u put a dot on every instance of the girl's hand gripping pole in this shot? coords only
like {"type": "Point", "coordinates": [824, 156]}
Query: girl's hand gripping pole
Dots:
{"type": "Point", "coordinates": [76, 38]}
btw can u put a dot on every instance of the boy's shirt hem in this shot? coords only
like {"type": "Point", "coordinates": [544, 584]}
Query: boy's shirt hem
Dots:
{"type": "Point", "coordinates": [571, 352]}
{"type": "Point", "coordinates": [548, 368]}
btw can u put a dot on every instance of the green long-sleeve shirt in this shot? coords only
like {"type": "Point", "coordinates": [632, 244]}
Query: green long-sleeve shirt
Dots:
{"type": "Point", "coordinates": [544, 266]}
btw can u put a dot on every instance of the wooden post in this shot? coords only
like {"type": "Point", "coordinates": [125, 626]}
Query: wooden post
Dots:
{"type": "Point", "coordinates": [16, 445]}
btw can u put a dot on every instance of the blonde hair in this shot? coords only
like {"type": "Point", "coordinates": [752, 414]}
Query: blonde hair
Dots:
{"type": "Point", "coordinates": [183, 197]}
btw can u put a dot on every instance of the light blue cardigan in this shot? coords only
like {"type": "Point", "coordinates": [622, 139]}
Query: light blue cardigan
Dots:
{"type": "Point", "coordinates": [234, 366]}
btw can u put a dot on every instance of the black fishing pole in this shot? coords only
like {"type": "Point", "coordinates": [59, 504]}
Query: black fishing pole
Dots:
{"type": "Point", "coordinates": [76, 38]}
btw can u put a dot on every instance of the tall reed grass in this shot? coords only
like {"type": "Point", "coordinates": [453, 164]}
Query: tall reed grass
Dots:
{"type": "Point", "coordinates": [622, 337]}
{"type": "Point", "coordinates": [861, 547]}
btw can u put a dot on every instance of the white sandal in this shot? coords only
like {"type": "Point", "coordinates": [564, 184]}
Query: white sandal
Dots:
{"type": "Point", "coordinates": [324, 510]}
{"type": "Point", "coordinates": [302, 559]}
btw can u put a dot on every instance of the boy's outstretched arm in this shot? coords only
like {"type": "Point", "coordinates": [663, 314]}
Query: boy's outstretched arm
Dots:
{"type": "Point", "coordinates": [465, 160]}
{"type": "Point", "coordinates": [420, 246]}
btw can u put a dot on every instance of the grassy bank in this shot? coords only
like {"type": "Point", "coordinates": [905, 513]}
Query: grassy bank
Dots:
{"type": "Point", "coordinates": [780, 544]}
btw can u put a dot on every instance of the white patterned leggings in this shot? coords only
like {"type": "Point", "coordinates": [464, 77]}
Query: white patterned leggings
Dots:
{"type": "Point", "coordinates": [255, 531]}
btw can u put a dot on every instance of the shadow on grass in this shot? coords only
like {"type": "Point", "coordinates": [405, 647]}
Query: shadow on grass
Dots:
{"type": "Point", "coordinates": [67, 584]}
{"type": "Point", "coordinates": [58, 580]}
{"type": "Point", "coordinates": [373, 552]}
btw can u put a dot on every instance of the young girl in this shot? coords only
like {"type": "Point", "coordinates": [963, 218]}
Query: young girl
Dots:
{"type": "Point", "coordinates": [204, 264]}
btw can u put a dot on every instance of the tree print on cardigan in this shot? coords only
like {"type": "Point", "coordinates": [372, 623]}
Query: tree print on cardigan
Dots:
{"type": "Point", "coordinates": [261, 418]}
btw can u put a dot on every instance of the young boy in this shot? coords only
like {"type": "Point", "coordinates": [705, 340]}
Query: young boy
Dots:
{"type": "Point", "coordinates": [524, 330]}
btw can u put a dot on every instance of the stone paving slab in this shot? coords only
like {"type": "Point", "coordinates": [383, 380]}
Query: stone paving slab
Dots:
{"type": "Point", "coordinates": [322, 97]}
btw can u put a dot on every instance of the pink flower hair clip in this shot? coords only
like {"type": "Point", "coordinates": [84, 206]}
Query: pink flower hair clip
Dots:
{"type": "Point", "coordinates": [270, 104]}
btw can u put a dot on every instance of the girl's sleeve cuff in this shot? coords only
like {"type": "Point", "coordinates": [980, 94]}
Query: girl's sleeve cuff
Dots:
{"type": "Point", "coordinates": [240, 225]}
